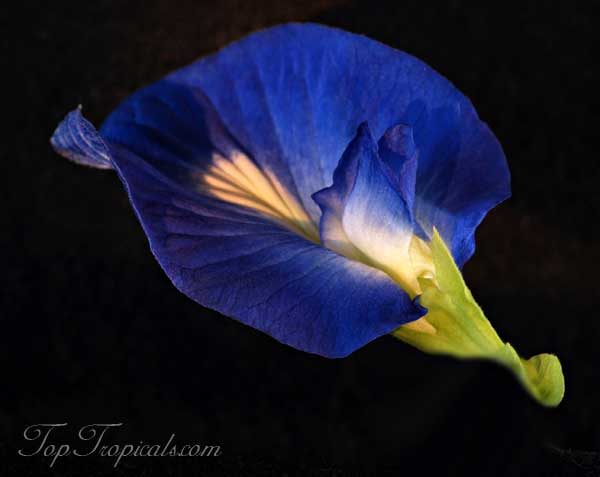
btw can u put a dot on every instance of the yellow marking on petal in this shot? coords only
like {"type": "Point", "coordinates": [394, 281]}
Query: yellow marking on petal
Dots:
{"type": "Point", "coordinates": [238, 180]}
{"type": "Point", "coordinates": [216, 182]}
{"type": "Point", "coordinates": [241, 199]}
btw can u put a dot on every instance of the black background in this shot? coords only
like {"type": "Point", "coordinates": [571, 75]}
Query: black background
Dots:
{"type": "Point", "coordinates": [93, 331]}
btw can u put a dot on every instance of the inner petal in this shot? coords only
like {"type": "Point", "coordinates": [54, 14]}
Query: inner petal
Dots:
{"type": "Point", "coordinates": [367, 215]}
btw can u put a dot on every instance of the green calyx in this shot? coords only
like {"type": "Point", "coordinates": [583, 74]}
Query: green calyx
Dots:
{"type": "Point", "coordinates": [455, 325]}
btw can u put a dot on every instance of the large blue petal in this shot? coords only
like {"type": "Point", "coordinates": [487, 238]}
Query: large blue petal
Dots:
{"type": "Point", "coordinates": [294, 95]}
{"type": "Point", "coordinates": [262, 274]}
{"type": "Point", "coordinates": [287, 101]}
{"type": "Point", "coordinates": [462, 174]}
{"type": "Point", "coordinates": [235, 260]}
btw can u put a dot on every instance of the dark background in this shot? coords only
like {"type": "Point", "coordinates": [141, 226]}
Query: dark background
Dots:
{"type": "Point", "coordinates": [91, 329]}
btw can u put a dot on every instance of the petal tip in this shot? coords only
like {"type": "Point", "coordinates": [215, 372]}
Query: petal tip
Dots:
{"type": "Point", "coordinates": [399, 139]}
{"type": "Point", "coordinates": [76, 139]}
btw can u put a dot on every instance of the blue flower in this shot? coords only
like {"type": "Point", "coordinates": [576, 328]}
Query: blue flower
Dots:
{"type": "Point", "coordinates": [310, 183]}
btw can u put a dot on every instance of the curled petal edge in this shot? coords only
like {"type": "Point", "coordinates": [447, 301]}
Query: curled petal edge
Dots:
{"type": "Point", "coordinates": [76, 139]}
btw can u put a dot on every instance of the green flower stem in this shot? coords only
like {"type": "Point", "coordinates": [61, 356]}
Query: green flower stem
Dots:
{"type": "Point", "coordinates": [455, 325]}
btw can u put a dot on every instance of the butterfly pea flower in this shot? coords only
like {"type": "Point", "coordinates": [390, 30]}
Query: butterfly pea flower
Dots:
{"type": "Point", "coordinates": [318, 186]}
